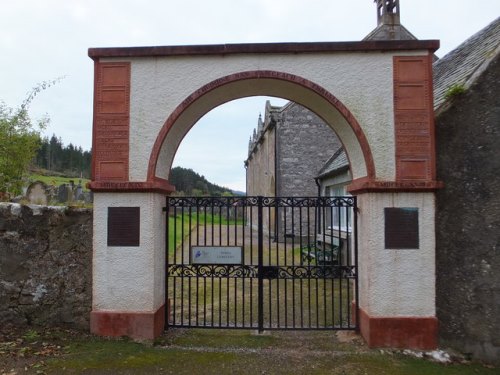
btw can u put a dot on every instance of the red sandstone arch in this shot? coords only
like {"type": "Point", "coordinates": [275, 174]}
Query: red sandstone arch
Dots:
{"type": "Point", "coordinates": [264, 74]}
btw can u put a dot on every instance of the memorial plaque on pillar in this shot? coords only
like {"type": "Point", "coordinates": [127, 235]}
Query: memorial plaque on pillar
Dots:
{"type": "Point", "coordinates": [123, 226]}
{"type": "Point", "coordinates": [401, 228]}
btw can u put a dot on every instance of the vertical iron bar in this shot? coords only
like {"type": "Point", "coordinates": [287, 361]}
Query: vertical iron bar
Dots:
{"type": "Point", "coordinates": [330, 270]}
{"type": "Point", "coordinates": [333, 301]}
{"type": "Point", "coordinates": [205, 225]}
{"type": "Point", "coordinates": [302, 264]}
{"type": "Point", "coordinates": [261, 255]}
{"type": "Point", "coordinates": [321, 266]}
{"type": "Point", "coordinates": [197, 223]}
{"type": "Point", "coordinates": [189, 255]}
{"type": "Point", "coordinates": [182, 261]}
{"type": "Point", "coordinates": [167, 238]}
{"type": "Point", "coordinates": [174, 310]}
{"type": "Point", "coordinates": [336, 265]}
{"type": "Point", "coordinates": [293, 264]}
{"type": "Point", "coordinates": [220, 302]}
{"type": "Point", "coordinates": [212, 232]}
{"type": "Point", "coordinates": [220, 224]}
{"type": "Point", "coordinates": [243, 258]}
{"type": "Point", "coordinates": [309, 258]}
{"type": "Point", "coordinates": [235, 302]}
{"type": "Point", "coordinates": [356, 297]}
{"type": "Point", "coordinates": [341, 276]}
{"type": "Point", "coordinates": [212, 273]}
{"type": "Point", "coordinates": [277, 280]}
{"type": "Point", "coordinates": [204, 301]}
{"type": "Point", "coordinates": [286, 212]}
{"type": "Point", "coordinates": [197, 297]}
{"type": "Point", "coordinates": [348, 263]}
{"type": "Point", "coordinates": [227, 221]}
{"type": "Point", "coordinates": [197, 207]}
{"type": "Point", "coordinates": [204, 277]}
{"type": "Point", "coordinates": [235, 210]}
{"type": "Point", "coordinates": [251, 208]}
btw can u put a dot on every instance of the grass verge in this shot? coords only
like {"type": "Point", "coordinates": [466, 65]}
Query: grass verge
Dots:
{"type": "Point", "coordinates": [213, 352]}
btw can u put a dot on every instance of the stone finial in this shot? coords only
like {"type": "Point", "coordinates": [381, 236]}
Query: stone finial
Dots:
{"type": "Point", "coordinates": [260, 124]}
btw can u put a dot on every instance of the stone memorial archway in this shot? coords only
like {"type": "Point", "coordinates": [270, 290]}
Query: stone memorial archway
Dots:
{"type": "Point", "coordinates": [377, 96]}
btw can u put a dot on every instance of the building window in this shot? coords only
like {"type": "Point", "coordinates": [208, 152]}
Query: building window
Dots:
{"type": "Point", "coordinates": [337, 218]}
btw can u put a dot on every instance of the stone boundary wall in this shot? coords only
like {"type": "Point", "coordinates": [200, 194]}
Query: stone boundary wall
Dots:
{"type": "Point", "coordinates": [45, 266]}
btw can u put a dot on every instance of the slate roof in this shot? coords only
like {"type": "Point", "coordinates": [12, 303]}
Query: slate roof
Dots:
{"type": "Point", "coordinates": [336, 163]}
{"type": "Point", "coordinates": [465, 63]}
{"type": "Point", "coordinates": [390, 32]}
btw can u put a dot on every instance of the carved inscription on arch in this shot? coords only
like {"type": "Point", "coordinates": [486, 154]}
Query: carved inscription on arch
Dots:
{"type": "Point", "coordinates": [111, 122]}
{"type": "Point", "coordinates": [414, 129]}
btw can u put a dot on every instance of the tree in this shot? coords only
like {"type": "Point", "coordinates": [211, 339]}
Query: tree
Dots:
{"type": "Point", "coordinates": [71, 160]}
{"type": "Point", "coordinates": [19, 141]}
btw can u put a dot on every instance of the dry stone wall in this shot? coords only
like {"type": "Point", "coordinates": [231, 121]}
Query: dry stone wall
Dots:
{"type": "Point", "coordinates": [45, 265]}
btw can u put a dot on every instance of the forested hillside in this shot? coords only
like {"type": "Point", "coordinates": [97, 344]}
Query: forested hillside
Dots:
{"type": "Point", "coordinates": [70, 160]}
{"type": "Point", "coordinates": [188, 182]}
{"type": "Point", "coordinates": [73, 161]}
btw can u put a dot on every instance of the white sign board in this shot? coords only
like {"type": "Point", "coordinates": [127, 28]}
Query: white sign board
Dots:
{"type": "Point", "coordinates": [216, 255]}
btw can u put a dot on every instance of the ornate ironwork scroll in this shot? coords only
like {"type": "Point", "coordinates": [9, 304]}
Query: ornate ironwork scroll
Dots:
{"type": "Point", "coordinates": [196, 270]}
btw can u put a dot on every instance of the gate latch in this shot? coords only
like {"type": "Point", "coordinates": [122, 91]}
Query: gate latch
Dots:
{"type": "Point", "coordinates": [270, 272]}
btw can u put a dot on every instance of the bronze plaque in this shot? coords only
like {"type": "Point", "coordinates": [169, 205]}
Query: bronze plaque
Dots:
{"type": "Point", "coordinates": [123, 226]}
{"type": "Point", "coordinates": [401, 228]}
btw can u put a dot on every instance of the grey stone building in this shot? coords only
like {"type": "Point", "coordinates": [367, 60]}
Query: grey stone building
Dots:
{"type": "Point", "coordinates": [467, 107]}
{"type": "Point", "coordinates": [285, 154]}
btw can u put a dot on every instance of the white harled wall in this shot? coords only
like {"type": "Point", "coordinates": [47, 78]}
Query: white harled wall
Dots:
{"type": "Point", "coordinates": [129, 278]}
{"type": "Point", "coordinates": [396, 282]}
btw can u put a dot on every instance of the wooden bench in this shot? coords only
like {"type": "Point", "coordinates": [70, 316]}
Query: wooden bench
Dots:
{"type": "Point", "coordinates": [320, 255]}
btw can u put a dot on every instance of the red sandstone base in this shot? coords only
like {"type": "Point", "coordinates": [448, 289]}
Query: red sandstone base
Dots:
{"type": "Point", "coordinates": [137, 325]}
{"type": "Point", "coordinates": [399, 332]}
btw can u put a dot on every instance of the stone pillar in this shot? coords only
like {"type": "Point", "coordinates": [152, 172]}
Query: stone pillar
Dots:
{"type": "Point", "coordinates": [397, 285]}
{"type": "Point", "coordinates": [128, 265]}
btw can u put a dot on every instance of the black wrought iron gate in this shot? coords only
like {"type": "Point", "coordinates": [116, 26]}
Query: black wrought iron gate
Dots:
{"type": "Point", "coordinates": [262, 262]}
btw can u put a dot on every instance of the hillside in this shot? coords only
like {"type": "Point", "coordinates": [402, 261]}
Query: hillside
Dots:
{"type": "Point", "coordinates": [54, 156]}
{"type": "Point", "coordinates": [188, 182]}
{"type": "Point", "coordinates": [54, 159]}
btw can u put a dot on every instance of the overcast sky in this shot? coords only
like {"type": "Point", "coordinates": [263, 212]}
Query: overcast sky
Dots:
{"type": "Point", "coordinates": [44, 39]}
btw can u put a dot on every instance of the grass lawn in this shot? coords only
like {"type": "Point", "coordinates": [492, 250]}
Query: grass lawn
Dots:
{"type": "Point", "coordinates": [179, 226]}
{"type": "Point", "coordinates": [213, 352]}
